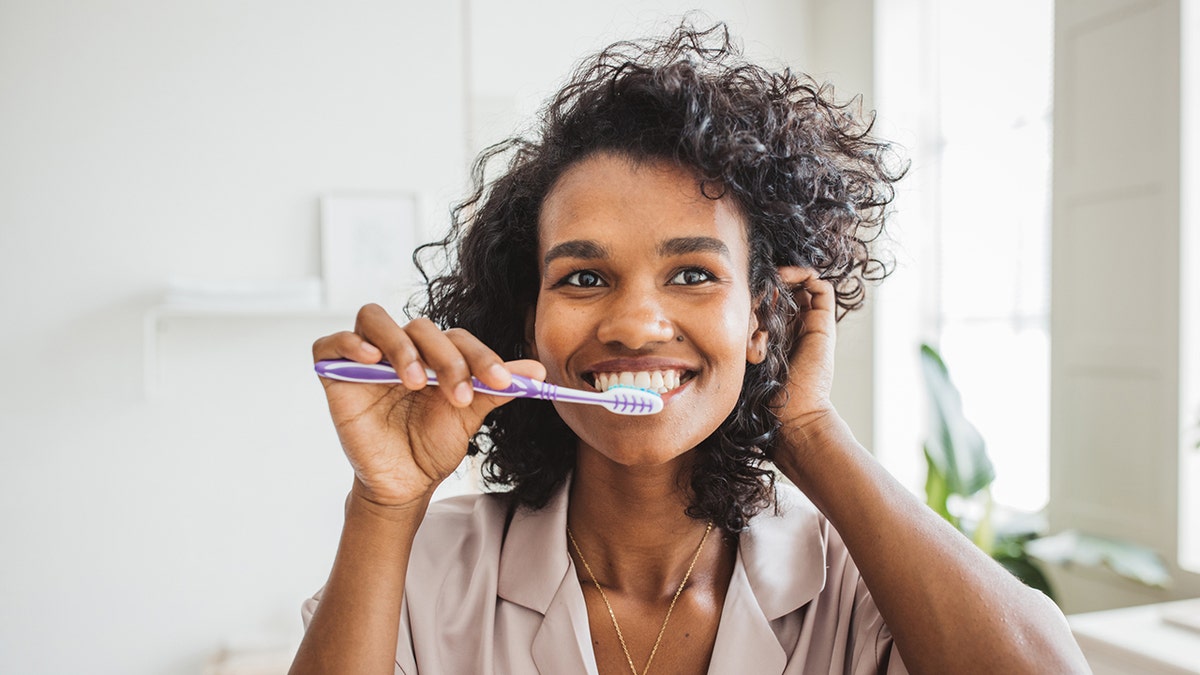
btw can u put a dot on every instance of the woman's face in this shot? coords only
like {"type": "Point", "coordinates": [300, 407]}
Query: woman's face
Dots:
{"type": "Point", "coordinates": [643, 278]}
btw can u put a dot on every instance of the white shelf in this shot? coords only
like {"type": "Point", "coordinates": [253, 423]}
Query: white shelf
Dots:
{"type": "Point", "coordinates": [234, 311]}
{"type": "Point", "coordinates": [155, 316]}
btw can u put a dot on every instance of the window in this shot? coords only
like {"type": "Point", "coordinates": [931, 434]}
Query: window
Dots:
{"type": "Point", "coordinates": [973, 108]}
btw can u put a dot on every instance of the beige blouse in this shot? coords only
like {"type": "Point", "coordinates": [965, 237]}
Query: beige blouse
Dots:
{"type": "Point", "coordinates": [482, 601]}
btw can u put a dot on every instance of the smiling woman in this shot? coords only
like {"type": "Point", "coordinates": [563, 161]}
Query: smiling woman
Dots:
{"type": "Point", "coordinates": [686, 221]}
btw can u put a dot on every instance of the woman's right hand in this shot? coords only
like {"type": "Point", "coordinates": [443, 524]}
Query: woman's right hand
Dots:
{"type": "Point", "coordinates": [403, 440]}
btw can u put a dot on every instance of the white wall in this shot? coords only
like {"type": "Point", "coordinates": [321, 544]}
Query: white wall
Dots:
{"type": "Point", "coordinates": [841, 39]}
{"type": "Point", "coordinates": [520, 53]}
{"type": "Point", "coordinates": [141, 140]}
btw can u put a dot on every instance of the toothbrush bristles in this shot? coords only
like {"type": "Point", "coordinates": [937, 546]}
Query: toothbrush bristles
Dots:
{"type": "Point", "coordinates": [634, 400]}
{"type": "Point", "coordinates": [635, 388]}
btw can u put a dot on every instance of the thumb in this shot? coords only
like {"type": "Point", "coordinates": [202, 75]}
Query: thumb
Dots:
{"type": "Point", "coordinates": [527, 367]}
{"type": "Point", "coordinates": [484, 403]}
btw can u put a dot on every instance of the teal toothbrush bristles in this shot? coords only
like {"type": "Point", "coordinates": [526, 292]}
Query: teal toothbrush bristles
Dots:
{"type": "Point", "coordinates": [630, 386]}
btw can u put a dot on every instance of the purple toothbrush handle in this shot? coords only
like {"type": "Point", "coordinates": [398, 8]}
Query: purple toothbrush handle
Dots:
{"type": "Point", "coordinates": [350, 371]}
{"type": "Point", "coordinates": [382, 372]}
{"type": "Point", "coordinates": [628, 402]}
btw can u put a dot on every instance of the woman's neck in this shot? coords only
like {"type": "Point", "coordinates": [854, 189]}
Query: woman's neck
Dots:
{"type": "Point", "coordinates": [631, 526]}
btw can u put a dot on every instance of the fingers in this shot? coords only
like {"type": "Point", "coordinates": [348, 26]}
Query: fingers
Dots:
{"type": "Point", "coordinates": [816, 302]}
{"type": "Point", "coordinates": [346, 345]}
{"type": "Point", "coordinates": [534, 370]}
{"type": "Point", "coordinates": [811, 291]}
{"type": "Point", "coordinates": [455, 355]}
{"type": "Point", "coordinates": [482, 404]}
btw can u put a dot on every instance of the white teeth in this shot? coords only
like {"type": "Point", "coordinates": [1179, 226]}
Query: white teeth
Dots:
{"type": "Point", "coordinates": [660, 381]}
{"type": "Point", "coordinates": [671, 379]}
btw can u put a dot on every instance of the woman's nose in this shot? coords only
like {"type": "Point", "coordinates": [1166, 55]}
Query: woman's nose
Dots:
{"type": "Point", "coordinates": [636, 319]}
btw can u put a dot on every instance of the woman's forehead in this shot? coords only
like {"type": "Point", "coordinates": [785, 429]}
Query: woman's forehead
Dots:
{"type": "Point", "coordinates": [613, 197]}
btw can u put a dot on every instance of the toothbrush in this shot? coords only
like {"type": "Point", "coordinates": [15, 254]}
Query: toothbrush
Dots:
{"type": "Point", "coordinates": [623, 400]}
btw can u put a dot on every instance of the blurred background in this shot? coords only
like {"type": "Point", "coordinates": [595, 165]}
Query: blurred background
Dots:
{"type": "Point", "coordinates": [170, 485]}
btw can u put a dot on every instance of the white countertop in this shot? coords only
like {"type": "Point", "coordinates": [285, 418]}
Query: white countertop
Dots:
{"type": "Point", "coordinates": [1162, 639]}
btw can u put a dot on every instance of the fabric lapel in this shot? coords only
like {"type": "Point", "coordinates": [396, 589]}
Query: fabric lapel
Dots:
{"type": "Point", "coordinates": [534, 558]}
{"type": "Point", "coordinates": [563, 643]}
{"type": "Point", "coordinates": [780, 568]}
{"type": "Point", "coordinates": [745, 642]}
{"type": "Point", "coordinates": [536, 573]}
{"type": "Point", "coordinates": [784, 553]}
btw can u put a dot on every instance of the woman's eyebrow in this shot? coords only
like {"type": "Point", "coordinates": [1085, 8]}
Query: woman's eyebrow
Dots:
{"type": "Point", "coordinates": [684, 245]}
{"type": "Point", "coordinates": [591, 250]}
{"type": "Point", "coordinates": [576, 248]}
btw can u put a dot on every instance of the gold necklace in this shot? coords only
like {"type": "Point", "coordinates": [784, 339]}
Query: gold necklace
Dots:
{"type": "Point", "coordinates": [613, 616]}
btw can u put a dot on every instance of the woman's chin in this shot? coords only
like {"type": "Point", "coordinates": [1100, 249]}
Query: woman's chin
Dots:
{"type": "Point", "coordinates": [634, 456]}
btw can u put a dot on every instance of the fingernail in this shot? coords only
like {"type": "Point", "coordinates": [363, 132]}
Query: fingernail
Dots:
{"type": "Point", "coordinates": [498, 371]}
{"type": "Point", "coordinates": [462, 393]}
{"type": "Point", "coordinates": [414, 373]}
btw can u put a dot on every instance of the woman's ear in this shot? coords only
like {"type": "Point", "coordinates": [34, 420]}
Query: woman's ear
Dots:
{"type": "Point", "coordinates": [530, 343]}
{"type": "Point", "coordinates": [756, 346]}
{"type": "Point", "coordinates": [756, 343]}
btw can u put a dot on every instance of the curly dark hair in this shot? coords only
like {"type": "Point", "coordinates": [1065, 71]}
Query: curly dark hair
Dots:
{"type": "Point", "coordinates": [811, 182]}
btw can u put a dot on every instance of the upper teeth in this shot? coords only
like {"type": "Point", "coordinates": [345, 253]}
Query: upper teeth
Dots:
{"type": "Point", "coordinates": [660, 381]}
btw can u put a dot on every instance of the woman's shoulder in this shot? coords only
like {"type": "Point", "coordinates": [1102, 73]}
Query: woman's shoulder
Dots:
{"type": "Point", "coordinates": [794, 519]}
{"type": "Point", "coordinates": [790, 513]}
{"type": "Point", "coordinates": [475, 503]}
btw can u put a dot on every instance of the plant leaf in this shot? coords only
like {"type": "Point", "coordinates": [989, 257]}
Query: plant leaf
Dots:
{"type": "Point", "coordinates": [1025, 569]}
{"type": "Point", "coordinates": [937, 493]}
{"type": "Point", "coordinates": [1019, 525]}
{"type": "Point", "coordinates": [984, 534]}
{"type": "Point", "coordinates": [1127, 559]}
{"type": "Point", "coordinates": [954, 445]}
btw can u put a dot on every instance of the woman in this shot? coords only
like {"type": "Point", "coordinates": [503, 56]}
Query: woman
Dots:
{"type": "Point", "coordinates": [687, 220]}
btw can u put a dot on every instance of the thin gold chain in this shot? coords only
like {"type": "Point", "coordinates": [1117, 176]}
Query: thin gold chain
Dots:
{"type": "Point", "coordinates": [613, 616]}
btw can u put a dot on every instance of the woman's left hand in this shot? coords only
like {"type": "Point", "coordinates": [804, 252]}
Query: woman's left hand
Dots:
{"type": "Point", "coordinates": [805, 400]}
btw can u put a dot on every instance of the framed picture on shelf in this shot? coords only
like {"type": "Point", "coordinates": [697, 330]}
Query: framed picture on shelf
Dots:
{"type": "Point", "coordinates": [367, 242]}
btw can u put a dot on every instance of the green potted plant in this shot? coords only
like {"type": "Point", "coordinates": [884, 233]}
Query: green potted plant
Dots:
{"type": "Point", "coordinates": [959, 467]}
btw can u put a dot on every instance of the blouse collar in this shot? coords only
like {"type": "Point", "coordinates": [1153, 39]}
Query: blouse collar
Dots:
{"type": "Point", "coordinates": [781, 554]}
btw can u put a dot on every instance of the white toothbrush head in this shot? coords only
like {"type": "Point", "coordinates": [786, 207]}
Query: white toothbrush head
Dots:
{"type": "Point", "coordinates": [625, 399]}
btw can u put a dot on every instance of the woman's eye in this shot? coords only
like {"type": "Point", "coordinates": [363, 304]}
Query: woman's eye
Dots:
{"type": "Point", "coordinates": [583, 279]}
{"type": "Point", "coordinates": [691, 276]}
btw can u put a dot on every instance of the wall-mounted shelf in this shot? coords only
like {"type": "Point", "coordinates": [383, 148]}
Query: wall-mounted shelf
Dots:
{"type": "Point", "coordinates": [155, 317]}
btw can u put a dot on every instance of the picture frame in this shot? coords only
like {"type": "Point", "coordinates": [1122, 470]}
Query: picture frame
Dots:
{"type": "Point", "coordinates": [367, 242]}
